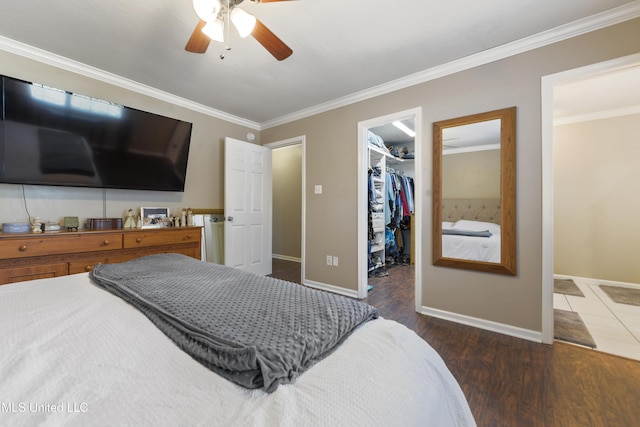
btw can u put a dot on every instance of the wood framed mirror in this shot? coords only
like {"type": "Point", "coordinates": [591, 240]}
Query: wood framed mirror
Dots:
{"type": "Point", "coordinates": [474, 192]}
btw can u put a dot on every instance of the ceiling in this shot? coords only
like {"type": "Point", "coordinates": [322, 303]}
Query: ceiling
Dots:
{"type": "Point", "coordinates": [340, 48]}
{"type": "Point", "coordinates": [391, 135]}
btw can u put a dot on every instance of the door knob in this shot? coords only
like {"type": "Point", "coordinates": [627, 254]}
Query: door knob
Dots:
{"type": "Point", "coordinates": [230, 218]}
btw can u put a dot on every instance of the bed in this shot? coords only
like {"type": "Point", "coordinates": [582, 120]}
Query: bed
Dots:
{"type": "Point", "coordinates": [75, 354]}
{"type": "Point", "coordinates": [471, 229]}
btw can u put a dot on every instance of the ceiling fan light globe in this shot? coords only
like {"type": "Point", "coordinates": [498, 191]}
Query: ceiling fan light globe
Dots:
{"type": "Point", "coordinates": [243, 21]}
{"type": "Point", "coordinates": [207, 10]}
{"type": "Point", "coordinates": [214, 30]}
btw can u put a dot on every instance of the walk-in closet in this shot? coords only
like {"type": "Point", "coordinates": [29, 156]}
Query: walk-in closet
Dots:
{"type": "Point", "coordinates": [391, 197]}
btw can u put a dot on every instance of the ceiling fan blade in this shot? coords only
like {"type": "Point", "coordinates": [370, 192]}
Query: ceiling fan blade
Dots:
{"type": "Point", "coordinates": [198, 42]}
{"type": "Point", "coordinates": [270, 41]}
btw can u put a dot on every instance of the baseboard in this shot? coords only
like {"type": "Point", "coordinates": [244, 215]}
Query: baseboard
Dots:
{"type": "Point", "coordinates": [286, 258]}
{"type": "Point", "coordinates": [331, 288]}
{"type": "Point", "coordinates": [488, 325]}
{"type": "Point", "coordinates": [599, 281]}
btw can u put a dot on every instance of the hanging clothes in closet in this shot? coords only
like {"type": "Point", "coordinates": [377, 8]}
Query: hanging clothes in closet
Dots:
{"type": "Point", "coordinates": [399, 206]}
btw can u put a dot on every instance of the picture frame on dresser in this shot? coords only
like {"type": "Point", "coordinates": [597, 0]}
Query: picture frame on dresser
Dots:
{"type": "Point", "coordinates": [155, 217]}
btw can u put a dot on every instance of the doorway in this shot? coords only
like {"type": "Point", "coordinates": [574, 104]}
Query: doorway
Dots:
{"type": "Point", "coordinates": [402, 157]}
{"type": "Point", "coordinates": [558, 133]}
{"type": "Point", "coordinates": [288, 206]}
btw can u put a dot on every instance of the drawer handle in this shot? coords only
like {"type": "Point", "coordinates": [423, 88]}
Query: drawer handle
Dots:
{"type": "Point", "coordinates": [188, 236]}
{"type": "Point", "coordinates": [88, 268]}
{"type": "Point", "coordinates": [138, 240]}
{"type": "Point", "coordinates": [105, 243]}
{"type": "Point", "coordinates": [22, 248]}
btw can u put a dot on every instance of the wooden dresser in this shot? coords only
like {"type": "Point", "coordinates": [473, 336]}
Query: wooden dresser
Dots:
{"type": "Point", "coordinates": [40, 255]}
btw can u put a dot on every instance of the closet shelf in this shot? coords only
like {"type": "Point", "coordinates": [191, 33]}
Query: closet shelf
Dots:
{"type": "Point", "coordinates": [385, 153]}
{"type": "Point", "coordinates": [394, 159]}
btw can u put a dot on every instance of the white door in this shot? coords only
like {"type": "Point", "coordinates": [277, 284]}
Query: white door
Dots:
{"type": "Point", "coordinates": [247, 206]}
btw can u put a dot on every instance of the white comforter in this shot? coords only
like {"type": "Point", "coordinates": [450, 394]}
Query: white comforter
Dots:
{"type": "Point", "coordinates": [72, 354]}
{"type": "Point", "coordinates": [485, 249]}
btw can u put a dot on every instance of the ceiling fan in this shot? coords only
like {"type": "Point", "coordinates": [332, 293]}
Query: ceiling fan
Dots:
{"type": "Point", "coordinates": [215, 19]}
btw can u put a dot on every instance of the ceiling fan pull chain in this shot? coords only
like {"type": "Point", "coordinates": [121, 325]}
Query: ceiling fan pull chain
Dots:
{"type": "Point", "coordinates": [227, 25]}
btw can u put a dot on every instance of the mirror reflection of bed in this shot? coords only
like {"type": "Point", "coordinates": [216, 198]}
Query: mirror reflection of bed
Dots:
{"type": "Point", "coordinates": [471, 191]}
{"type": "Point", "coordinates": [471, 229]}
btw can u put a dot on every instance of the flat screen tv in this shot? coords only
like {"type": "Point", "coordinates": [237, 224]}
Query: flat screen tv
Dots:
{"type": "Point", "coordinates": [53, 137]}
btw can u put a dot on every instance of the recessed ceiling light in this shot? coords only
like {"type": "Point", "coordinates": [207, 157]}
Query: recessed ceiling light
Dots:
{"type": "Point", "coordinates": [404, 128]}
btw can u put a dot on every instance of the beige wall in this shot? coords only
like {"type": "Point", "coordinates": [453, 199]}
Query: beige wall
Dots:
{"type": "Point", "coordinates": [331, 144]}
{"type": "Point", "coordinates": [331, 150]}
{"type": "Point", "coordinates": [204, 184]}
{"type": "Point", "coordinates": [474, 175]}
{"type": "Point", "coordinates": [287, 201]}
{"type": "Point", "coordinates": [596, 172]}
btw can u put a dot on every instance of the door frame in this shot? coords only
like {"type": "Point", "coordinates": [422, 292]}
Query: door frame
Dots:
{"type": "Point", "coordinates": [363, 128]}
{"type": "Point", "coordinates": [298, 140]}
{"type": "Point", "coordinates": [548, 85]}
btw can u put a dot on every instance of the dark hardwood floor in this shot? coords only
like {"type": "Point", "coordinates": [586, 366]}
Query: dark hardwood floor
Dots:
{"type": "Point", "coordinates": [509, 381]}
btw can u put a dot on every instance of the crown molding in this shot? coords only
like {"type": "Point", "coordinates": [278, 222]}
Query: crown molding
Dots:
{"type": "Point", "coordinates": [573, 29]}
{"type": "Point", "coordinates": [40, 55]}
{"type": "Point", "coordinates": [563, 32]}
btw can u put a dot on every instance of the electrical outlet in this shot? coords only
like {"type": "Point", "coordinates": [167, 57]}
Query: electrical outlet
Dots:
{"type": "Point", "coordinates": [329, 260]}
{"type": "Point", "coordinates": [335, 261]}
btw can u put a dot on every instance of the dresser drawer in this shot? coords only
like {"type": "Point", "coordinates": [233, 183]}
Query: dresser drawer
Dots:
{"type": "Point", "coordinates": [31, 256]}
{"type": "Point", "coordinates": [85, 265]}
{"type": "Point", "coordinates": [159, 238]}
{"type": "Point", "coordinates": [53, 245]}
{"type": "Point", "coordinates": [20, 274]}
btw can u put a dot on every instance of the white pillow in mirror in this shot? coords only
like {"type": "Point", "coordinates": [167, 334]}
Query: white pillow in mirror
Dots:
{"type": "Point", "coordinates": [447, 225]}
{"type": "Point", "coordinates": [467, 225]}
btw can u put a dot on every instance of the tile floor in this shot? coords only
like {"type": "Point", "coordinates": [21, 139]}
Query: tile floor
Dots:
{"type": "Point", "coordinates": [614, 327]}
